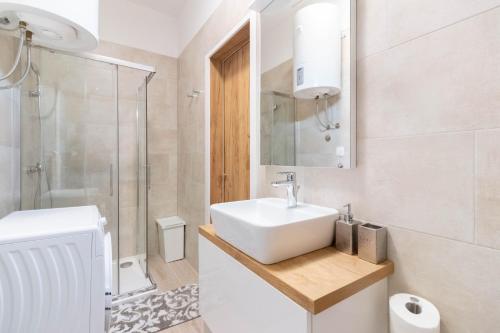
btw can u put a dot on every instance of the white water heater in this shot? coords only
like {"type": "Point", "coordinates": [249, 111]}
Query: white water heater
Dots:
{"type": "Point", "coordinates": [60, 24]}
{"type": "Point", "coordinates": [317, 51]}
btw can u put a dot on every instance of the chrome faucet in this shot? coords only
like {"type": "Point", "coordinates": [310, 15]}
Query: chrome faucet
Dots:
{"type": "Point", "coordinates": [291, 187]}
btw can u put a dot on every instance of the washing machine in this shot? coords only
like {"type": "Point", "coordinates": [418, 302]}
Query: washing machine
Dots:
{"type": "Point", "coordinates": [55, 271]}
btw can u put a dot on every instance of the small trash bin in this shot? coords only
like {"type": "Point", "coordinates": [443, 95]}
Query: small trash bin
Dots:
{"type": "Point", "coordinates": [171, 236]}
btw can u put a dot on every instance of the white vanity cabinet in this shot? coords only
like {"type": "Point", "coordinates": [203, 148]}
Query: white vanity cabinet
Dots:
{"type": "Point", "coordinates": [234, 299]}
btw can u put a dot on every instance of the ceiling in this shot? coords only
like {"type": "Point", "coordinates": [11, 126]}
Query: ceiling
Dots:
{"type": "Point", "coordinates": [167, 7]}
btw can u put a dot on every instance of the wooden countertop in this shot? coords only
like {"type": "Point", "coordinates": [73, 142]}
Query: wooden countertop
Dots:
{"type": "Point", "coordinates": [315, 280]}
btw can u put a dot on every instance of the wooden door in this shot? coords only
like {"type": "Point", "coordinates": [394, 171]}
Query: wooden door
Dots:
{"type": "Point", "coordinates": [230, 120]}
{"type": "Point", "coordinates": [237, 125]}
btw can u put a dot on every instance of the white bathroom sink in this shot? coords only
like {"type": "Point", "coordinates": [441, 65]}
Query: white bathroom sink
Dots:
{"type": "Point", "coordinates": [269, 231]}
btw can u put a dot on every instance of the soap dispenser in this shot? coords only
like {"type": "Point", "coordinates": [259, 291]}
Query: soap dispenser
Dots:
{"type": "Point", "coordinates": [346, 233]}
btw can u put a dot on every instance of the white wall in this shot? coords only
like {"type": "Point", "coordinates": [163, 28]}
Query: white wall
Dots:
{"type": "Point", "coordinates": [277, 42]}
{"type": "Point", "coordinates": [192, 17]}
{"type": "Point", "coordinates": [126, 23]}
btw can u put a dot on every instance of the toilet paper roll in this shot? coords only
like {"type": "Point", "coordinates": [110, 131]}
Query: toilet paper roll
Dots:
{"type": "Point", "coordinates": [412, 314]}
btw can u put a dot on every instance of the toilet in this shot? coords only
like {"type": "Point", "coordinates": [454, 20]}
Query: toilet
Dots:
{"type": "Point", "coordinates": [171, 237]}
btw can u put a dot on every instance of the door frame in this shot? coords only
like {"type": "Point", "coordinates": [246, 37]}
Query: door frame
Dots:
{"type": "Point", "coordinates": [252, 18]}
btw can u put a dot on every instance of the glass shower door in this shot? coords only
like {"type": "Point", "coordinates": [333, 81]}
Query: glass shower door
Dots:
{"type": "Point", "coordinates": [133, 228]}
{"type": "Point", "coordinates": [69, 153]}
{"type": "Point", "coordinates": [84, 142]}
{"type": "Point", "coordinates": [278, 128]}
{"type": "Point", "coordinates": [283, 130]}
{"type": "Point", "coordinates": [143, 177]}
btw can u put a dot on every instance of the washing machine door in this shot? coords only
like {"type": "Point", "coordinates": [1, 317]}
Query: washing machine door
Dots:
{"type": "Point", "coordinates": [108, 279]}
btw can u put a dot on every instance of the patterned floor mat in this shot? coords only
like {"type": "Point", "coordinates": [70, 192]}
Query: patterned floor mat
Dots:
{"type": "Point", "coordinates": [157, 312]}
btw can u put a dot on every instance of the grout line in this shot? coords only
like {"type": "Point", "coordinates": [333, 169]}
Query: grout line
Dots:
{"type": "Point", "coordinates": [427, 33]}
{"type": "Point", "coordinates": [438, 236]}
{"type": "Point", "coordinates": [474, 188]}
{"type": "Point", "coordinates": [458, 131]}
{"type": "Point", "coordinates": [402, 136]}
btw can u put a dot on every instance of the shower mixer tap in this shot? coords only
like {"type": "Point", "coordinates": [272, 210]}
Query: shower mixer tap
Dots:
{"type": "Point", "coordinates": [32, 169]}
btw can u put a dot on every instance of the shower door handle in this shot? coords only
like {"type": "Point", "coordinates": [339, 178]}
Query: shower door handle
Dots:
{"type": "Point", "coordinates": [111, 184]}
{"type": "Point", "coordinates": [148, 176]}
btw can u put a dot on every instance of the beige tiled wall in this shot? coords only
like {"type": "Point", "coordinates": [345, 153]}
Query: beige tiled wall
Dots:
{"type": "Point", "coordinates": [9, 134]}
{"type": "Point", "coordinates": [191, 121]}
{"type": "Point", "coordinates": [162, 143]}
{"type": "Point", "coordinates": [428, 152]}
{"type": "Point", "coordinates": [428, 140]}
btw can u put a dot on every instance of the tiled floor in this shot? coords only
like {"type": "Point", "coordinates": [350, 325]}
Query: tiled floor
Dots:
{"type": "Point", "coordinates": [171, 276]}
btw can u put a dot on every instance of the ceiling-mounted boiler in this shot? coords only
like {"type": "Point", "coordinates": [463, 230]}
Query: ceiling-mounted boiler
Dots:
{"type": "Point", "coordinates": [58, 24]}
{"type": "Point", "coordinates": [317, 51]}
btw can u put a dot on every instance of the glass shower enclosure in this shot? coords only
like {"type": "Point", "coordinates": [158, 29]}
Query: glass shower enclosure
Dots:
{"type": "Point", "coordinates": [277, 121]}
{"type": "Point", "coordinates": [84, 142]}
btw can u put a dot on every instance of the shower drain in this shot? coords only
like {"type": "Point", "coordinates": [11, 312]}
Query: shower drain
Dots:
{"type": "Point", "coordinates": [126, 264]}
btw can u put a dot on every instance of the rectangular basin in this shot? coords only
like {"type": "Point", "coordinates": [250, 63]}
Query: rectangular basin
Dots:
{"type": "Point", "coordinates": [268, 231]}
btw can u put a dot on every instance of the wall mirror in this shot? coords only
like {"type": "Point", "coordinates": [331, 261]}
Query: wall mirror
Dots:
{"type": "Point", "coordinates": [308, 83]}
